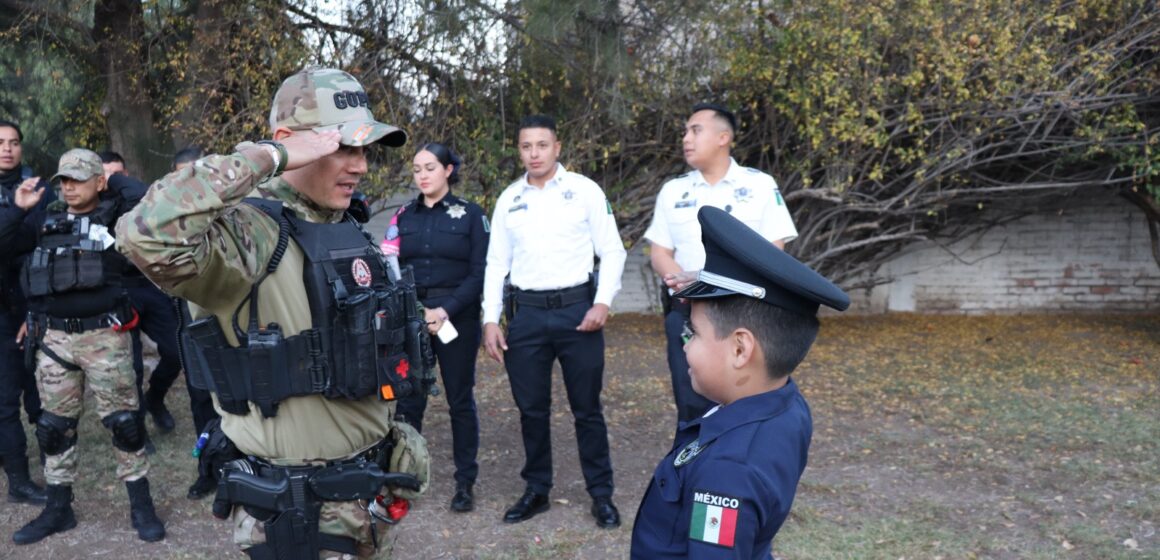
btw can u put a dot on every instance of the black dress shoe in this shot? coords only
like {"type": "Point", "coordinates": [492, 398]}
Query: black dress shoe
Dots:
{"type": "Point", "coordinates": [527, 507]}
{"type": "Point", "coordinates": [462, 500]}
{"type": "Point", "coordinates": [605, 513]}
{"type": "Point", "coordinates": [162, 418]}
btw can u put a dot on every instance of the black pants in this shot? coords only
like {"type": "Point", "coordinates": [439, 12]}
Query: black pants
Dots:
{"type": "Point", "coordinates": [457, 368]}
{"type": "Point", "coordinates": [690, 405]}
{"type": "Point", "coordinates": [536, 338]}
{"type": "Point", "coordinates": [158, 319]}
{"type": "Point", "coordinates": [15, 381]}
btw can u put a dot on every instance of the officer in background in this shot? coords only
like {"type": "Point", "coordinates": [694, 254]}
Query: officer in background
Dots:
{"type": "Point", "coordinates": [200, 401]}
{"type": "Point", "coordinates": [727, 485]}
{"type": "Point", "coordinates": [675, 236]}
{"type": "Point", "coordinates": [296, 325]}
{"type": "Point", "coordinates": [17, 238]}
{"type": "Point", "coordinates": [186, 156]}
{"type": "Point", "coordinates": [157, 313]}
{"type": "Point", "coordinates": [444, 238]}
{"type": "Point", "coordinates": [547, 226]}
{"type": "Point", "coordinates": [79, 315]}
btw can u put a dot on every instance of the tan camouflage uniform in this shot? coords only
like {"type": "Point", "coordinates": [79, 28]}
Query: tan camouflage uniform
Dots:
{"type": "Point", "coordinates": [107, 367]}
{"type": "Point", "coordinates": [193, 236]}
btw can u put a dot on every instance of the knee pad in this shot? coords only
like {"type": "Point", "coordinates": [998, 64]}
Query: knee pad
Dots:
{"type": "Point", "coordinates": [128, 429]}
{"type": "Point", "coordinates": [55, 434]}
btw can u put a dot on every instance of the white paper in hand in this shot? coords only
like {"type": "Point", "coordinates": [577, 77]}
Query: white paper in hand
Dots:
{"type": "Point", "coordinates": [447, 332]}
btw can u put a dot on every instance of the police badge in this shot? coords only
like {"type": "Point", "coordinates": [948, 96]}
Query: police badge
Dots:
{"type": "Point", "coordinates": [457, 211]}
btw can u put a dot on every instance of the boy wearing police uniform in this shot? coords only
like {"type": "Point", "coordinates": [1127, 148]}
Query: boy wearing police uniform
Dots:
{"type": "Point", "coordinates": [78, 322]}
{"type": "Point", "coordinates": [295, 325]}
{"type": "Point", "coordinates": [675, 238]}
{"type": "Point", "coordinates": [727, 485]}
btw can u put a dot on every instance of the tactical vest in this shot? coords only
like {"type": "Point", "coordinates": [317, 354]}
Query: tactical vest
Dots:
{"type": "Point", "coordinates": [359, 343]}
{"type": "Point", "coordinates": [71, 274]}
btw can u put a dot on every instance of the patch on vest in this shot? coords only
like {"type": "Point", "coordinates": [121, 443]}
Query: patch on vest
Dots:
{"type": "Point", "coordinates": [714, 518]}
{"type": "Point", "coordinates": [361, 272]}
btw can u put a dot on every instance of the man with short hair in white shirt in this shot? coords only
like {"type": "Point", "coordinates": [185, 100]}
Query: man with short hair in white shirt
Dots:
{"type": "Point", "coordinates": [675, 234]}
{"type": "Point", "coordinates": [546, 228]}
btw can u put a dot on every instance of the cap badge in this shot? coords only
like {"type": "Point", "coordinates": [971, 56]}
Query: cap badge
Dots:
{"type": "Point", "coordinates": [457, 211]}
{"type": "Point", "coordinates": [361, 272]}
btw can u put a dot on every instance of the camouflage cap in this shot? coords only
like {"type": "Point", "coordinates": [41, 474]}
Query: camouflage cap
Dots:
{"type": "Point", "coordinates": [322, 99]}
{"type": "Point", "coordinates": [79, 164]}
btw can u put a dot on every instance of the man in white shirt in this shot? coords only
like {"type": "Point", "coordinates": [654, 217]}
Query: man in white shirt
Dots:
{"type": "Point", "coordinates": [546, 228]}
{"type": "Point", "coordinates": [675, 234]}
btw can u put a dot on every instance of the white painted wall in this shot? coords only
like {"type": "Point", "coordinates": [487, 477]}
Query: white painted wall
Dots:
{"type": "Point", "coordinates": [1088, 253]}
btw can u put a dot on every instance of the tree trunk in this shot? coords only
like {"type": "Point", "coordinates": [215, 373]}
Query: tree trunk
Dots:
{"type": "Point", "coordinates": [119, 31]}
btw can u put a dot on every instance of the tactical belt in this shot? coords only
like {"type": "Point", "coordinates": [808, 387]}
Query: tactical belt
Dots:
{"type": "Point", "coordinates": [425, 293]}
{"type": "Point", "coordinates": [288, 499]}
{"type": "Point", "coordinates": [555, 299]}
{"type": "Point", "coordinates": [679, 305]}
{"type": "Point", "coordinates": [75, 325]}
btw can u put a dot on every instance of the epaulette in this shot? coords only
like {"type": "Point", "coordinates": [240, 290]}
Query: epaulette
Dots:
{"type": "Point", "coordinates": [685, 174]}
{"type": "Point", "coordinates": [752, 170]}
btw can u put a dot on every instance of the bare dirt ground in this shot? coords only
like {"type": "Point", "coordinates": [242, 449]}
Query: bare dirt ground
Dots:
{"type": "Point", "coordinates": [935, 437]}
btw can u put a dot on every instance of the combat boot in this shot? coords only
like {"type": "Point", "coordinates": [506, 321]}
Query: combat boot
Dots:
{"type": "Point", "coordinates": [57, 517]}
{"type": "Point", "coordinates": [21, 489]}
{"type": "Point", "coordinates": [145, 521]}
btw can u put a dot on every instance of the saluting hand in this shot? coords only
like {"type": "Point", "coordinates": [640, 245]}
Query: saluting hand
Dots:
{"type": "Point", "coordinates": [493, 341]}
{"type": "Point", "coordinates": [306, 146]}
{"type": "Point", "coordinates": [594, 319]}
{"type": "Point", "coordinates": [27, 195]}
{"type": "Point", "coordinates": [678, 280]}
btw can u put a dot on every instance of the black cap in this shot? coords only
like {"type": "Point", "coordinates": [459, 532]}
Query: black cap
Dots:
{"type": "Point", "coordinates": [738, 261]}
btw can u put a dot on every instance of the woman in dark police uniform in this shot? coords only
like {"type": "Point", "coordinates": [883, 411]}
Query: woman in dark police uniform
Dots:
{"type": "Point", "coordinates": [444, 238]}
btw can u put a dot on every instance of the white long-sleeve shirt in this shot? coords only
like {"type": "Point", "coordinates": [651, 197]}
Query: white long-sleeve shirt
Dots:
{"type": "Point", "coordinates": [547, 237]}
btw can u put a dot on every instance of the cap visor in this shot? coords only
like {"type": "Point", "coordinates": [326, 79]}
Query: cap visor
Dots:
{"type": "Point", "coordinates": [365, 133]}
{"type": "Point", "coordinates": [73, 174]}
{"type": "Point", "coordinates": [703, 290]}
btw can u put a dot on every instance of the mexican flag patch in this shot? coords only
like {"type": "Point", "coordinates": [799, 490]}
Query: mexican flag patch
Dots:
{"type": "Point", "coordinates": [714, 518]}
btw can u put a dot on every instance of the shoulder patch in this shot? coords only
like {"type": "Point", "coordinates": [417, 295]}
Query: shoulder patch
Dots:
{"type": "Point", "coordinates": [714, 518]}
{"type": "Point", "coordinates": [486, 224]}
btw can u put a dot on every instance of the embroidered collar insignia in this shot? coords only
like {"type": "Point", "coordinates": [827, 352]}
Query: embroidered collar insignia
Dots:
{"type": "Point", "coordinates": [689, 453]}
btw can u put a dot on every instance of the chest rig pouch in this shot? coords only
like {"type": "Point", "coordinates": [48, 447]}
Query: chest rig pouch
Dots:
{"type": "Point", "coordinates": [355, 347]}
{"type": "Point", "coordinates": [67, 260]}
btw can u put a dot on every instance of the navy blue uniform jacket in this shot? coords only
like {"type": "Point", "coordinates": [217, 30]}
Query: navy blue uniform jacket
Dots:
{"type": "Point", "coordinates": [446, 245]}
{"type": "Point", "coordinates": [727, 485]}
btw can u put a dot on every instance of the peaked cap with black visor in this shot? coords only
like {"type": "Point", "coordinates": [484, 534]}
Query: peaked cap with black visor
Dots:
{"type": "Point", "coordinates": [738, 261]}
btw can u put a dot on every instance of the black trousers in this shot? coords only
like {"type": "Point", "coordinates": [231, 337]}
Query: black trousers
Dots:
{"type": "Point", "coordinates": [536, 338]}
{"type": "Point", "coordinates": [690, 405]}
{"type": "Point", "coordinates": [158, 319]}
{"type": "Point", "coordinates": [457, 368]}
{"type": "Point", "coordinates": [15, 382]}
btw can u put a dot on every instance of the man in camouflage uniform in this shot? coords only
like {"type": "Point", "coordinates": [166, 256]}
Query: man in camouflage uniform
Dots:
{"type": "Point", "coordinates": [79, 319]}
{"type": "Point", "coordinates": [197, 238]}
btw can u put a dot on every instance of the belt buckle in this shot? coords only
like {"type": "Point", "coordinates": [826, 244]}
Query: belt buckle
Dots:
{"type": "Point", "coordinates": [555, 300]}
{"type": "Point", "coordinates": [72, 325]}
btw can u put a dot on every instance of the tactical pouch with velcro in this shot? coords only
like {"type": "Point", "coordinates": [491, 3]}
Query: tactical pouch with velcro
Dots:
{"type": "Point", "coordinates": [409, 456]}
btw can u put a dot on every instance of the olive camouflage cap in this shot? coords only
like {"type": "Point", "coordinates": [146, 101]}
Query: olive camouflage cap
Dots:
{"type": "Point", "coordinates": [322, 99]}
{"type": "Point", "coordinates": [79, 164]}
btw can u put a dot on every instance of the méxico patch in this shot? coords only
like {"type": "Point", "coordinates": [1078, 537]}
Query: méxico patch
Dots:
{"type": "Point", "coordinates": [714, 518]}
